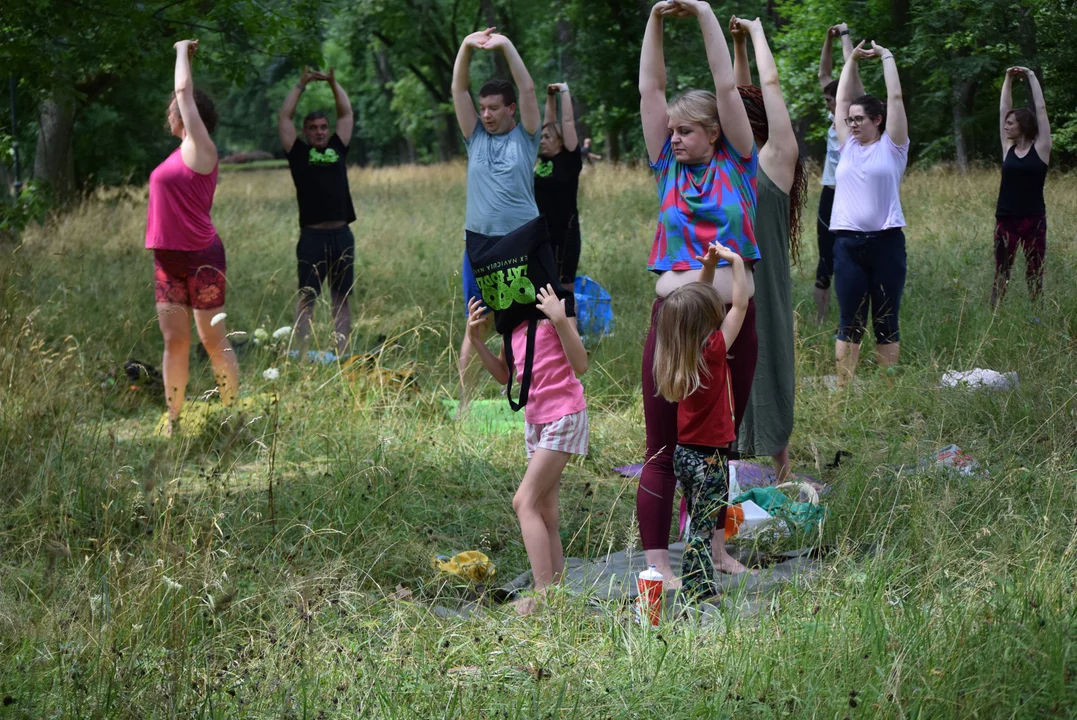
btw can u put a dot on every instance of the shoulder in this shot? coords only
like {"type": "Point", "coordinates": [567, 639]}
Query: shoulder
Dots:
{"type": "Point", "coordinates": [902, 149]}
{"type": "Point", "coordinates": [665, 158]}
{"type": "Point", "coordinates": [715, 349]}
{"type": "Point", "coordinates": [299, 149]}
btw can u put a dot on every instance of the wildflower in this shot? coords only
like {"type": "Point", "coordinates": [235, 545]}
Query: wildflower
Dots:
{"type": "Point", "coordinates": [282, 332]}
{"type": "Point", "coordinates": [261, 334]}
{"type": "Point", "coordinates": [239, 334]}
{"type": "Point", "coordinates": [217, 319]}
{"type": "Point", "coordinates": [271, 374]}
{"type": "Point", "coordinates": [170, 584]}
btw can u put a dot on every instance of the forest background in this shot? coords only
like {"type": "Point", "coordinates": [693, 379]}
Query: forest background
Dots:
{"type": "Point", "coordinates": [90, 83]}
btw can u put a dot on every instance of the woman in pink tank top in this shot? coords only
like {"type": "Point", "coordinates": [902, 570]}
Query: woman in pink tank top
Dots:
{"type": "Point", "coordinates": [189, 261]}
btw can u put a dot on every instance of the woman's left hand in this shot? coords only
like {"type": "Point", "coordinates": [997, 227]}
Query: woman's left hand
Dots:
{"type": "Point", "coordinates": [879, 50]}
{"type": "Point", "coordinates": [688, 8]}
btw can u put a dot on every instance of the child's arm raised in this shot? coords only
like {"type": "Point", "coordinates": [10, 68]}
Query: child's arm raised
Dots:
{"type": "Point", "coordinates": [734, 317]}
{"type": "Point", "coordinates": [476, 322]}
{"type": "Point", "coordinates": [554, 308]}
{"type": "Point", "coordinates": [710, 261]}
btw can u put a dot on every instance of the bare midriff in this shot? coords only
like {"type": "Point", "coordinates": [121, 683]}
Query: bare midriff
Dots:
{"type": "Point", "coordinates": [670, 280]}
{"type": "Point", "coordinates": [331, 225]}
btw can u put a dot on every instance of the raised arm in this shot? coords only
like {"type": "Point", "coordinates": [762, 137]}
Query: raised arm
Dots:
{"type": "Point", "coordinates": [568, 120]}
{"type": "Point", "coordinates": [826, 58]}
{"type": "Point", "coordinates": [198, 151]}
{"type": "Point", "coordinates": [554, 309]}
{"type": "Point", "coordinates": [476, 323]}
{"type": "Point", "coordinates": [345, 117]}
{"type": "Point", "coordinates": [527, 101]}
{"type": "Point", "coordinates": [897, 124]}
{"type": "Point", "coordinates": [285, 123]}
{"type": "Point", "coordinates": [1043, 136]}
{"type": "Point", "coordinates": [652, 84]}
{"type": "Point", "coordinates": [1005, 105]}
{"type": "Point", "coordinates": [742, 71]}
{"type": "Point", "coordinates": [549, 115]}
{"type": "Point", "coordinates": [781, 143]}
{"type": "Point", "coordinates": [847, 89]}
{"type": "Point", "coordinates": [466, 117]}
{"type": "Point", "coordinates": [734, 117]}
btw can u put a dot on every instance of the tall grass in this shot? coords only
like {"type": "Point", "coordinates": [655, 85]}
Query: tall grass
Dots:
{"type": "Point", "coordinates": [140, 578]}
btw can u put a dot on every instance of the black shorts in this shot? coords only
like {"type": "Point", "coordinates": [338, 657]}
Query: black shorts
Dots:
{"type": "Point", "coordinates": [825, 269]}
{"type": "Point", "coordinates": [326, 253]}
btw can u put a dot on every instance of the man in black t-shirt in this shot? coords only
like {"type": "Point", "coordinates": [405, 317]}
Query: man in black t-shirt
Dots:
{"type": "Point", "coordinates": [326, 247]}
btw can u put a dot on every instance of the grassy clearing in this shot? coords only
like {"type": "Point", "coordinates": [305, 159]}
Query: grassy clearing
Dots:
{"type": "Point", "coordinates": [140, 579]}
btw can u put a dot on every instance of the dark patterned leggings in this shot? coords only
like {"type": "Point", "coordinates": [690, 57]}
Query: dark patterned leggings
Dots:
{"type": "Point", "coordinates": [1031, 234]}
{"type": "Point", "coordinates": [704, 479]}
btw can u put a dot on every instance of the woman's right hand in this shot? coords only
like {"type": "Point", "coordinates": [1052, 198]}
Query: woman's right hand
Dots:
{"type": "Point", "coordinates": [668, 8]}
{"type": "Point", "coordinates": [737, 29]}
{"type": "Point", "coordinates": [187, 46]}
{"type": "Point", "coordinates": [1018, 71]}
{"type": "Point", "coordinates": [479, 39]}
{"type": "Point", "coordinates": [690, 8]}
{"type": "Point", "coordinates": [859, 52]}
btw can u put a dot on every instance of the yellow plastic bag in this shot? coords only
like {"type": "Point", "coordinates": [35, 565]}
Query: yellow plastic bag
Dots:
{"type": "Point", "coordinates": [470, 565]}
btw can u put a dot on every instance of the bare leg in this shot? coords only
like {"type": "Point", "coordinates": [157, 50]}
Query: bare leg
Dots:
{"type": "Point", "coordinates": [723, 561]}
{"type": "Point", "coordinates": [822, 304]}
{"type": "Point", "coordinates": [175, 322]}
{"type": "Point", "coordinates": [469, 374]}
{"type": "Point", "coordinates": [221, 355]}
{"type": "Point", "coordinates": [304, 315]}
{"type": "Point", "coordinates": [660, 560]}
{"type": "Point", "coordinates": [848, 355]}
{"type": "Point", "coordinates": [342, 321]}
{"type": "Point", "coordinates": [781, 464]}
{"type": "Point", "coordinates": [887, 355]}
{"type": "Point", "coordinates": [531, 503]}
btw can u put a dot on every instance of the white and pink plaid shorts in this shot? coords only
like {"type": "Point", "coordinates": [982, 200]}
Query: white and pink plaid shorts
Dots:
{"type": "Point", "coordinates": [568, 435]}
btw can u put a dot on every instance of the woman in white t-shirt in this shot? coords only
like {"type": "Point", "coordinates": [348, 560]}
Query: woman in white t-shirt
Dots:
{"type": "Point", "coordinates": [869, 245]}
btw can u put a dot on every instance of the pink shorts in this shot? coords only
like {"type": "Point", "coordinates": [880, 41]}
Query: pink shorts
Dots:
{"type": "Point", "coordinates": [568, 435]}
{"type": "Point", "coordinates": [194, 278]}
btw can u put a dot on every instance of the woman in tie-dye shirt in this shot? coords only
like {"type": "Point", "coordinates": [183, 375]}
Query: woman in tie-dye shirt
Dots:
{"type": "Point", "coordinates": [704, 158]}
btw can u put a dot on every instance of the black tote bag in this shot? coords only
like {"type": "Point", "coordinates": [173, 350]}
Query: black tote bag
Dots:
{"type": "Point", "coordinates": [509, 269]}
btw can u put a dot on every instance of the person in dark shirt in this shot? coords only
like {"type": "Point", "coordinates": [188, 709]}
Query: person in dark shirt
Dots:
{"type": "Point", "coordinates": [1020, 215]}
{"type": "Point", "coordinates": [326, 248]}
{"type": "Point", "coordinates": [557, 182]}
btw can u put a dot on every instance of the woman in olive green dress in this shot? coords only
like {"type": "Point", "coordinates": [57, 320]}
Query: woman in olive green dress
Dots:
{"type": "Point", "coordinates": [782, 190]}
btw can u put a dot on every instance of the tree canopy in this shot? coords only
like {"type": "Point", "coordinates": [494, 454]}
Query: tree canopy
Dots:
{"type": "Point", "coordinates": [93, 80]}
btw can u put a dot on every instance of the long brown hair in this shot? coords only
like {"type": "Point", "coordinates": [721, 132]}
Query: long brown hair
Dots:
{"type": "Point", "coordinates": [752, 97]}
{"type": "Point", "coordinates": [685, 321]}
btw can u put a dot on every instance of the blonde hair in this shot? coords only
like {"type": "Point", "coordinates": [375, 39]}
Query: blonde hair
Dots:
{"type": "Point", "coordinates": [686, 320]}
{"type": "Point", "coordinates": [556, 129]}
{"type": "Point", "coordinates": [695, 106]}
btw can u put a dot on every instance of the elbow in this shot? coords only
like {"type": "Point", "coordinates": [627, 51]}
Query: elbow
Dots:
{"type": "Point", "coordinates": [770, 80]}
{"type": "Point", "coordinates": [895, 96]}
{"type": "Point", "coordinates": [581, 367]}
{"type": "Point", "coordinates": [184, 88]}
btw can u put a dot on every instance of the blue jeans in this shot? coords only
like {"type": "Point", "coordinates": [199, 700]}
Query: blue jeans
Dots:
{"type": "Point", "coordinates": [869, 270]}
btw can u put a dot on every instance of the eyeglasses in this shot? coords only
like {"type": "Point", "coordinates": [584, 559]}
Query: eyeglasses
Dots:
{"type": "Point", "coordinates": [855, 120]}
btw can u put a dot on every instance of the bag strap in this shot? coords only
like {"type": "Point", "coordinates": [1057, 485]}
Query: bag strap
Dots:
{"type": "Point", "coordinates": [529, 358]}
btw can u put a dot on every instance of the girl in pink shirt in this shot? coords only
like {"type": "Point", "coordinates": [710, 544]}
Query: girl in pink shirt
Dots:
{"type": "Point", "coordinates": [189, 261]}
{"type": "Point", "coordinates": [555, 421]}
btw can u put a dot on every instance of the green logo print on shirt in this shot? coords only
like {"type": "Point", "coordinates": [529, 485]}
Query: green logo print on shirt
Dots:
{"type": "Point", "coordinates": [329, 157]}
{"type": "Point", "coordinates": [544, 168]}
{"type": "Point", "coordinates": [500, 289]}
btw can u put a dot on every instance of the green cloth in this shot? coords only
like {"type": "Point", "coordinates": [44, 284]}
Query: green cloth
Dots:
{"type": "Point", "coordinates": [768, 418]}
{"type": "Point", "coordinates": [801, 516]}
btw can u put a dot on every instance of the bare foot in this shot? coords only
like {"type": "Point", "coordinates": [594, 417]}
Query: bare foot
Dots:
{"type": "Point", "coordinates": [727, 564]}
{"type": "Point", "coordinates": [670, 582]}
{"type": "Point", "coordinates": [526, 605]}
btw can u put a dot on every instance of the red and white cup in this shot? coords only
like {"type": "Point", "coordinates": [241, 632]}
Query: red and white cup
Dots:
{"type": "Point", "coordinates": [649, 601]}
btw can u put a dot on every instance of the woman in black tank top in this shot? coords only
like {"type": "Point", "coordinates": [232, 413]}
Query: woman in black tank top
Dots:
{"type": "Point", "coordinates": [1020, 215]}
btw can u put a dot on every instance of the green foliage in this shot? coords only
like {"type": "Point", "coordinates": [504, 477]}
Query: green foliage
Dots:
{"type": "Point", "coordinates": [32, 204]}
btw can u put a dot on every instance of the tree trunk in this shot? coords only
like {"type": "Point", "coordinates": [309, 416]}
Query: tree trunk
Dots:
{"type": "Point", "coordinates": [962, 100]}
{"type": "Point", "coordinates": [613, 143]}
{"type": "Point", "coordinates": [54, 161]}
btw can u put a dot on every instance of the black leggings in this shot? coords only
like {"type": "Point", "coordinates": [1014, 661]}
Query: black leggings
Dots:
{"type": "Point", "coordinates": [869, 269]}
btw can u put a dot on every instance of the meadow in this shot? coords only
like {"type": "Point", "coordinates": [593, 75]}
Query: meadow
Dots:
{"type": "Point", "coordinates": [280, 565]}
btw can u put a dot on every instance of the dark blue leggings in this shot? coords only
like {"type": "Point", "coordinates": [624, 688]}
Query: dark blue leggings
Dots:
{"type": "Point", "coordinates": [869, 268]}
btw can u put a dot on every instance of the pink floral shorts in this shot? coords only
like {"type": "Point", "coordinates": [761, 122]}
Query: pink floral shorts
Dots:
{"type": "Point", "coordinates": [194, 278]}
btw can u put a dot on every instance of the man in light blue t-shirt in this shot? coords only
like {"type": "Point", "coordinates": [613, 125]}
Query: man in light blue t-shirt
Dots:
{"type": "Point", "coordinates": [500, 159]}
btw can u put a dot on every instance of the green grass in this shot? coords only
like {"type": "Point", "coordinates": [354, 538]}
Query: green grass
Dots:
{"type": "Point", "coordinates": [254, 165]}
{"type": "Point", "coordinates": [248, 574]}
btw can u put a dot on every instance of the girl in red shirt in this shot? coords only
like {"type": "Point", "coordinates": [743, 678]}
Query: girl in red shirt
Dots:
{"type": "Point", "coordinates": [693, 333]}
